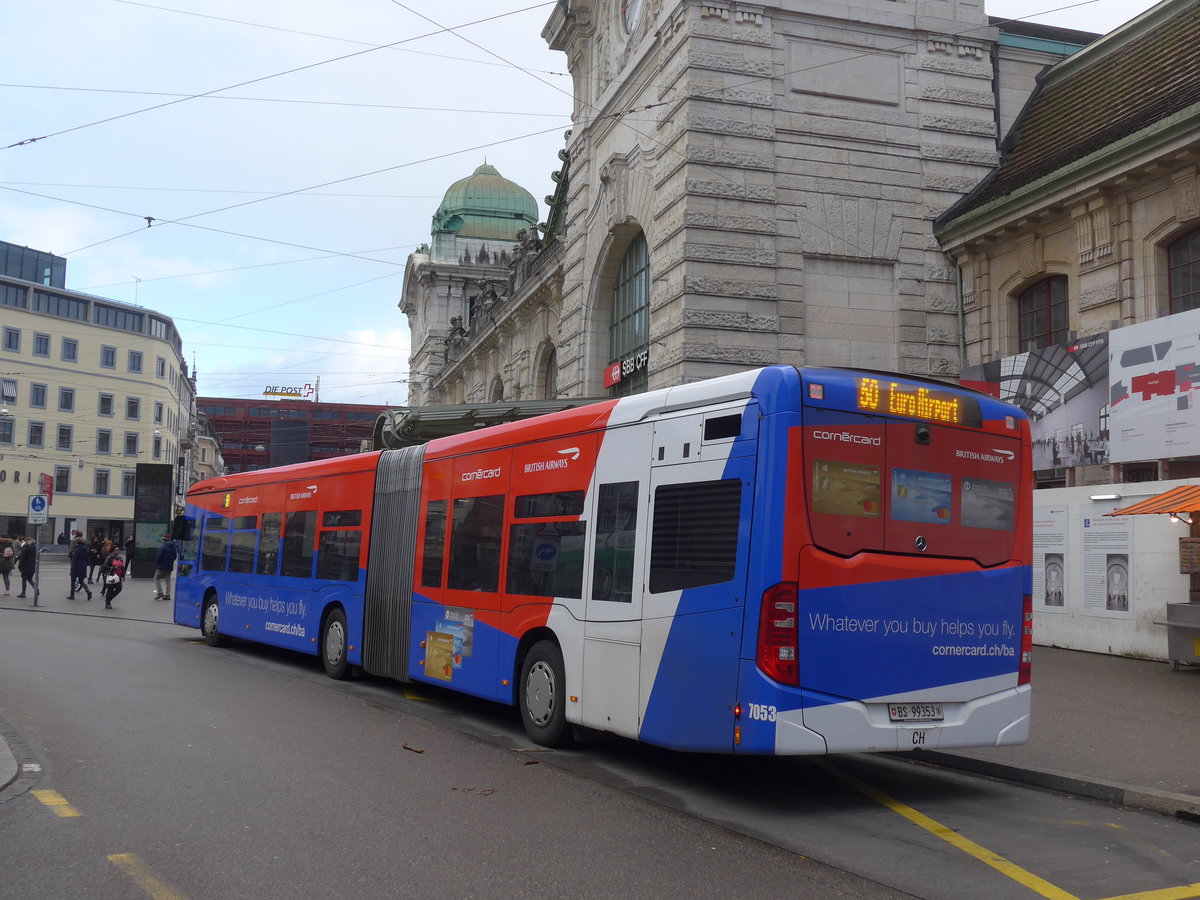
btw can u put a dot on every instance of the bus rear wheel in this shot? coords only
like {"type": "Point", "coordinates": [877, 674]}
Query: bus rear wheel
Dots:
{"type": "Point", "coordinates": [334, 644]}
{"type": "Point", "coordinates": [208, 625]}
{"type": "Point", "coordinates": [543, 696]}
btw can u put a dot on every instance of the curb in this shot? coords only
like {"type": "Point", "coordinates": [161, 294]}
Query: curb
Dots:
{"type": "Point", "coordinates": [1182, 806]}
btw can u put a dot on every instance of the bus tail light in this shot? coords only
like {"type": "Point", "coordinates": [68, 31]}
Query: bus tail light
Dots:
{"type": "Point", "coordinates": [778, 633]}
{"type": "Point", "coordinates": [1025, 672]}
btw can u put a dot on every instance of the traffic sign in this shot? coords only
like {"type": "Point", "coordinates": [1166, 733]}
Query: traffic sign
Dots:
{"type": "Point", "coordinates": [38, 511]}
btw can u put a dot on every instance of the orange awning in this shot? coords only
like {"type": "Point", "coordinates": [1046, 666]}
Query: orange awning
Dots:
{"type": "Point", "coordinates": [1184, 499]}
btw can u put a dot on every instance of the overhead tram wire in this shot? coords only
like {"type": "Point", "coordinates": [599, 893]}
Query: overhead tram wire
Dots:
{"type": "Point", "coordinates": [153, 221]}
{"type": "Point", "coordinates": [33, 140]}
{"type": "Point", "coordinates": [330, 37]}
{"type": "Point", "coordinates": [340, 103]}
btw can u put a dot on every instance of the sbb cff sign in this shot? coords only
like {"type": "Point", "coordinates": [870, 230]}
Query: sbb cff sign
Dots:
{"type": "Point", "coordinates": [615, 372]}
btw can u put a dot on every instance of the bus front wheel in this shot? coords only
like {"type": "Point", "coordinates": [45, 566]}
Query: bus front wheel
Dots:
{"type": "Point", "coordinates": [543, 696]}
{"type": "Point", "coordinates": [208, 625]}
{"type": "Point", "coordinates": [333, 645]}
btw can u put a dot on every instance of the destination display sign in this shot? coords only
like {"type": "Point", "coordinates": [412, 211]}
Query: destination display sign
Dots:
{"type": "Point", "coordinates": [885, 396]}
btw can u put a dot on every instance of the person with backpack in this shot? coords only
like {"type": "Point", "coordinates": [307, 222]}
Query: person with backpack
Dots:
{"type": "Point", "coordinates": [114, 577]}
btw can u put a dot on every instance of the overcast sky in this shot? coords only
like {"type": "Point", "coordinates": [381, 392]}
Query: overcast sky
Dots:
{"type": "Point", "coordinates": [284, 203]}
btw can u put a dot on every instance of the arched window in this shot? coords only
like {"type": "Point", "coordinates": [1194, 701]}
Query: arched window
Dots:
{"type": "Point", "coordinates": [1184, 260]}
{"type": "Point", "coordinates": [629, 332]}
{"type": "Point", "coordinates": [497, 392]}
{"type": "Point", "coordinates": [1043, 314]}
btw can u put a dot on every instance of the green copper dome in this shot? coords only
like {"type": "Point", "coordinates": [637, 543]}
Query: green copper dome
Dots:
{"type": "Point", "coordinates": [486, 205]}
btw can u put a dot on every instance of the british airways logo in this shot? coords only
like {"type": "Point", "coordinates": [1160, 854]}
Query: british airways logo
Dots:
{"type": "Point", "coordinates": [996, 455]}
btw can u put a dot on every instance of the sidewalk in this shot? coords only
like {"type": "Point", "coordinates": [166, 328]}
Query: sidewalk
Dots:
{"type": "Point", "coordinates": [1120, 730]}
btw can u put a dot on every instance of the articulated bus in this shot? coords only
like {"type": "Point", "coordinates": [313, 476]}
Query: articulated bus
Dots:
{"type": "Point", "coordinates": [782, 561]}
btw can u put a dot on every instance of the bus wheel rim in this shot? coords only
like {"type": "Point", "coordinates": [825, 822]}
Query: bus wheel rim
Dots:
{"type": "Point", "coordinates": [210, 618]}
{"type": "Point", "coordinates": [335, 642]}
{"type": "Point", "coordinates": [539, 693]}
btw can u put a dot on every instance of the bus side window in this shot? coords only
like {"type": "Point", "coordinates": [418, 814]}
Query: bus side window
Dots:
{"type": "Point", "coordinates": [545, 558]}
{"type": "Point", "coordinates": [435, 544]}
{"type": "Point", "coordinates": [245, 536]}
{"type": "Point", "coordinates": [268, 545]}
{"type": "Point", "coordinates": [616, 538]}
{"type": "Point", "coordinates": [340, 546]}
{"type": "Point", "coordinates": [694, 539]}
{"type": "Point", "coordinates": [475, 544]}
{"type": "Point", "coordinates": [298, 537]}
{"type": "Point", "coordinates": [216, 544]}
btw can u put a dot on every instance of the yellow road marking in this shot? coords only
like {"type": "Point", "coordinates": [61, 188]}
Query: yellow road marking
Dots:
{"type": "Point", "coordinates": [1184, 892]}
{"type": "Point", "coordinates": [997, 862]}
{"type": "Point", "coordinates": [146, 880]}
{"type": "Point", "coordinates": [57, 802]}
{"type": "Point", "coordinates": [412, 695]}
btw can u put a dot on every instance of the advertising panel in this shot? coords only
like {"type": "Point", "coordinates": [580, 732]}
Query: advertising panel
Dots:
{"type": "Point", "coordinates": [1154, 373]}
{"type": "Point", "coordinates": [1064, 389]}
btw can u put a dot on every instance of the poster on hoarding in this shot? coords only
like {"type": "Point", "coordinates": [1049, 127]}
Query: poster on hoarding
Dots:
{"type": "Point", "coordinates": [1154, 376]}
{"type": "Point", "coordinates": [1107, 566]}
{"type": "Point", "coordinates": [1064, 389]}
{"type": "Point", "coordinates": [1050, 559]}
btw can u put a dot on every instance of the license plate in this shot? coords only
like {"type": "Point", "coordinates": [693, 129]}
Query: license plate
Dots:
{"type": "Point", "coordinates": [915, 712]}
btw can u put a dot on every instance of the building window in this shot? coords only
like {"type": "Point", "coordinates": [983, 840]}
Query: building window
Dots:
{"type": "Point", "coordinates": [37, 434]}
{"type": "Point", "coordinates": [550, 376]}
{"type": "Point", "coordinates": [6, 431]}
{"type": "Point", "coordinates": [12, 340]}
{"type": "Point", "coordinates": [131, 443]}
{"type": "Point", "coordinates": [1184, 260]}
{"type": "Point", "coordinates": [108, 357]}
{"type": "Point", "coordinates": [630, 328]}
{"type": "Point", "coordinates": [101, 482]}
{"type": "Point", "coordinates": [66, 399]}
{"type": "Point", "coordinates": [160, 367]}
{"type": "Point", "coordinates": [41, 344]}
{"type": "Point", "coordinates": [158, 409]}
{"type": "Point", "coordinates": [37, 396]}
{"type": "Point", "coordinates": [106, 404]}
{"type": "Point", "coordinates": [62, 479]}
{"type": "Point", "coordinates": [157, 447]}
{"type": "Point", "coordinates": [8, 390]}
{"type": "Point", "coordinates": [70, 349]}
{"type": "Point", "coordinates": [64, 437]}
{"type": "Point", "coordinates": [103, 440]}
{"type": "Point", "coordinates": [128, 483]}
{"type": "Point", "coordinates": [1043, 314]}
{"type": "Point", "coordinates": [135, 361]}
{"type": "Point", "coordinates": [133, 408]}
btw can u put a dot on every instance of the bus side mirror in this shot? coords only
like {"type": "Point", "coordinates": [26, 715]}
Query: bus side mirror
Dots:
{"type": "Point", "coordinates": [182, 528]}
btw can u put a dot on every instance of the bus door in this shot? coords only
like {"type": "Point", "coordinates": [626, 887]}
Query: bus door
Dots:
{"type": "Point", "coordinates": [698, 546]}
{"type": "Point", "coordinates": [610, 695]}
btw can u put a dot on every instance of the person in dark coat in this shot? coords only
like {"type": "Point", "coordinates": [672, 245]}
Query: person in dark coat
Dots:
{"type": "Point", "coordinates": [129, 548]}
{"type": "Point", "coordinates": [27, 563]}
{"type": "Point", "coordinates": [79, 568]}
{"type": "Point", "coordinates": [164, 563]}
{"type": "Point", "coordinates": [94, 557]}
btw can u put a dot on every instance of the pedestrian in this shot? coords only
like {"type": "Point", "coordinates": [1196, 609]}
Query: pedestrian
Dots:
{"type": "Point", "coordinates": [79, 564]}
{"type": "Point", "coordinates": [27, 563]}
{"type": "Point", "coordinates": [164, 563]}
{"type": "Point", "coordinates": [129, 554]}
{"type": "Point", "coordinates": [95, 557]}
{"type": "Point", "coordinates": [113, 580]}
{"type": "Point", "coordinates": [8, 560]}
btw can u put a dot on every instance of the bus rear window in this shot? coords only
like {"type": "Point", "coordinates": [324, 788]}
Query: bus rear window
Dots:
{"type": "Point", "coordinates": [845, 489]}
{"type": "Point", "coordinates": [988, 504]}
{"type": "Point", "coordinates": [921, 496]}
